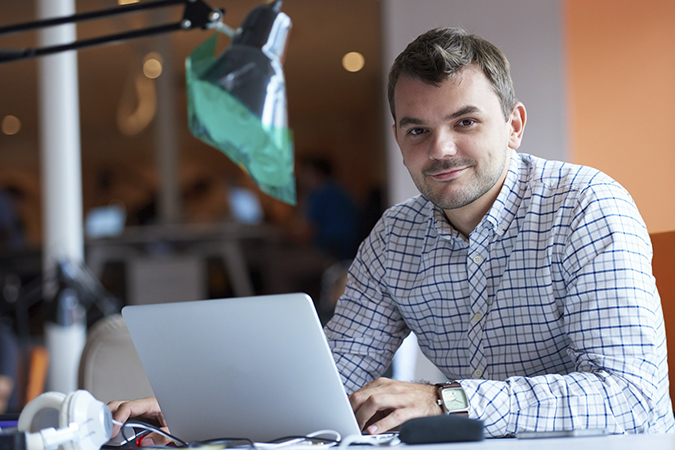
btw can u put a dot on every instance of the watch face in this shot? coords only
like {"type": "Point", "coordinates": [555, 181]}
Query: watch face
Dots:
{"type": "Point", "coordinates": [454, 399]}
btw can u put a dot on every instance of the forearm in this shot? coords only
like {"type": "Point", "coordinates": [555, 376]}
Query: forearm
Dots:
{"type": "Point", "coordinates": [367, 327]}
{"type": "Point", "coordinates": [359, 357]}
{"type": "Point", "coordinates": [578, 400]}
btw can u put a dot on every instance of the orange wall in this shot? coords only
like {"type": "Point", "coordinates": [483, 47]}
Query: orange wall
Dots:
{"type": "Point", "coordinates": [621, 62]}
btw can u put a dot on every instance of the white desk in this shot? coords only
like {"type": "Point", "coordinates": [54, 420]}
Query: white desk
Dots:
{"type": "Point", "coordinates": [614, 442]}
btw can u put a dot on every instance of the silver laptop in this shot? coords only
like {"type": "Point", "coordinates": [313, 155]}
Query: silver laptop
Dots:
{"type": "Point", "coordinates": [252, 367]}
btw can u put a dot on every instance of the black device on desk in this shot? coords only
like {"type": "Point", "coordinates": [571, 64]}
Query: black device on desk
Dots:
{"type": "Point", "coordinates": [442, 428]}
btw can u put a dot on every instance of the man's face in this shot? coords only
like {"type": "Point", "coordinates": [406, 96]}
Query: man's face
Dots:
{"type": "Point", "coordinates": [454, 138]}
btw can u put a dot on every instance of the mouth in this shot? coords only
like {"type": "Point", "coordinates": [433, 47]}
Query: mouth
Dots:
{"type": "Point", "coordinates": [447, 174]}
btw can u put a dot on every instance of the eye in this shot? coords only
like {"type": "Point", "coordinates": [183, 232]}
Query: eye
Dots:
{"type": "Point", "coordinates": [415, 131]}
{"type": "Point", "coordinates": [466, 122]}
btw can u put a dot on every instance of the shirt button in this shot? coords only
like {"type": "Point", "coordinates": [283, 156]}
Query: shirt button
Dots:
{"type": "Point", "coordinates": [477, 317]}
{"type": "Point", "coordinates": [477, 259]}
{"type": "Point", "coordinates": [477, 373]}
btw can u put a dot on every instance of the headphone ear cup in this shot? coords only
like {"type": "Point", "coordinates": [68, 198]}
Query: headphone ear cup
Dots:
{"type": "Point", "coordinates": [67, 416]}
{"type": "Point", "coordinates": [92, 416]}
{"type": "Point", "coordinates": [58, 411]}
{"type": "Point", "coordinates": [42, 412]}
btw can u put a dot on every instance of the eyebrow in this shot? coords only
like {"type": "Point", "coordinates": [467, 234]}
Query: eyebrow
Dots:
{"type": "Point", "coordinates": [469, 109]}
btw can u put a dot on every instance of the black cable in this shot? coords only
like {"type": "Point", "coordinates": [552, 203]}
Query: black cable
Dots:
{"type": "Point", "coordinates": [146, 426]}
{"type": "Point", "coordinates": [239, 443]}
{"type": "Point", "coordinates": [226, 443]}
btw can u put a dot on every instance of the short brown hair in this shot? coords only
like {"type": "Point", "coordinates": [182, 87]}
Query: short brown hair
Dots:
{"type": "Point", "coordinates": [440, 53]}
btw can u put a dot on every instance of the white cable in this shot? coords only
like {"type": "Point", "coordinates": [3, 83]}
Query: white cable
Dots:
{"type": "Point", "coordinates": [374, 440]}
{"type": "Point", "coordinates": [349, 440]}
{"type": "Point", "coordinates": [336, 436]}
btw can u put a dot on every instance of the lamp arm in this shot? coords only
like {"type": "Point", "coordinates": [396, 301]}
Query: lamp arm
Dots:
{"type": "Point", "coordinates": [196, 14]}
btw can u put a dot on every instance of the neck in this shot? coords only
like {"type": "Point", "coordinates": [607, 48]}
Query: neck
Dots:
{"type": "Point", "coordinates": [467, 218]}
{"type": "Point", "coordinates": [464, 223]}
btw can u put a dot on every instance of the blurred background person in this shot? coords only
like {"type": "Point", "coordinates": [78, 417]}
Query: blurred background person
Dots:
{"type": "Point", "coordinates": [9, 354]}
{"type": "Point", "coordinates": [330, 213]}
{"type": "Point", "coordinates": [11, 227]}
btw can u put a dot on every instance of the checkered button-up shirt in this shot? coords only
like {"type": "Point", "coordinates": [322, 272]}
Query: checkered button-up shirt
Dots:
{"type": "Point", "coordinates": [548, 315]}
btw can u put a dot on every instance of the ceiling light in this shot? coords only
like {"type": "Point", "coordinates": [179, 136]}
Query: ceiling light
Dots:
{"type": "Point", "coordinates": [353, 61]}
{"type": "Point", "coordinates": [152, 67]}
{"type": "Point", "coordinates": [11, 125]}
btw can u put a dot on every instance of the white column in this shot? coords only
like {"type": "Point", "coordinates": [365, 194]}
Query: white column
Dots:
{"type": "Point", "coordinates": [61, 181]}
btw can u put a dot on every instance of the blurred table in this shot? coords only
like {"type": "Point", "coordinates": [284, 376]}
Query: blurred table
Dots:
{"type": "Point", "coordinates": [188, 240]}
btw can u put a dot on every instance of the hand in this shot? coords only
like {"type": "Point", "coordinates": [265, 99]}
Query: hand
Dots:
{"type": "Point", "coordinates": [384, 404]}
{"type": "Point", "coordinates": [144, 409]}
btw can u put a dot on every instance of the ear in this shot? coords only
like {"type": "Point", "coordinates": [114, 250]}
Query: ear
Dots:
{"type": "Point", "coordinates": [393, 128]}
{"type": "Point", "coordinates": [517, 125]}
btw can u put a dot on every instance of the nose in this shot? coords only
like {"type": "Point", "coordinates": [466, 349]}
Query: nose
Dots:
{"type": "Point", "coordinates": [442, 145]}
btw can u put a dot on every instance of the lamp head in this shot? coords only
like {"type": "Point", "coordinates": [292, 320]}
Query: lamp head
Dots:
{"type": "Point", "coordinates": [251, 68]}
{"type": "Point", "coordinates": [237, 102]}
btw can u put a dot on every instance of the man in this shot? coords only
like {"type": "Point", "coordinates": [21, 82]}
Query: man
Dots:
{"type": "Point", "coordinates": [527, 282]}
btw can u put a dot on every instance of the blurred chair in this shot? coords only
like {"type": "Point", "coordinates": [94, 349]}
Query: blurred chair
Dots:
{"type": "Point", "coordinates": [663, 267]}
{"type": "Point", "coordinates": [9, 367]}
{"type": "Point", "coordinates": [23, 371]}
{"type": "Point", "coordinates": [38, 364]}
{"type": "Point", "coordinates": [110, 367]}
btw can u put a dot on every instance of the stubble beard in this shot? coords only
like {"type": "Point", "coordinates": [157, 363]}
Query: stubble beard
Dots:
{"type": "Point", "coordinates": [481, 183]}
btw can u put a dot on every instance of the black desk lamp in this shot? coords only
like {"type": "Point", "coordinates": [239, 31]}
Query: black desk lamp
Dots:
{"type": "Point", "coordinates": [237, 101]}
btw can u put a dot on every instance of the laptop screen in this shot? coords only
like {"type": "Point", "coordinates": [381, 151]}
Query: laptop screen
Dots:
{"type": "Point", "coordinates": [253, 367]}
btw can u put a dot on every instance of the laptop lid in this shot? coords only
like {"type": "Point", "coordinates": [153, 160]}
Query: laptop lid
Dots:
{"type": "Point", "coordinates": [251, 367]}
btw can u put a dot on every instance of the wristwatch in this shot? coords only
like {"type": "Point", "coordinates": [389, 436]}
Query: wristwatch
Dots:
{"type": "Point", "coordinates": [452, 398]}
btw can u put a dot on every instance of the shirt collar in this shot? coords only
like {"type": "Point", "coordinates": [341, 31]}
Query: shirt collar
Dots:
{"type": "Point", "coordinates": [503, 210]}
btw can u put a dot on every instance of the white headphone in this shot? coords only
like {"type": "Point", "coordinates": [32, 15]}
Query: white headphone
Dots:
{"type": "Point", "coordinates": [76, 421]}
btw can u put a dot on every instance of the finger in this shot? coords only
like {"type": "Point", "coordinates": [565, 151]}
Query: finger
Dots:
{"type": "Point", "coordinates": [113, 405]}
{"type": "Point", "coordinates": [365, 414]}
{"type": "Point", "coordinates": [146, 409]}
{"type": "Point", "coordinates": [373, 409]}
{"type": "Point", "coordinates": [117, 417]}
{"type": "Point", "coordinates": [148, 441]}
{"type": "Point", "coordinates": [373, 400]}
{"type": "Point", "coordinates": [156, 439]}
{"type": "Point", "coordinates": [357, 398]}
{"type": "Point", "coordinates": [385, 404]}
{"type": "Point", "coordinates": [389, 421]}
